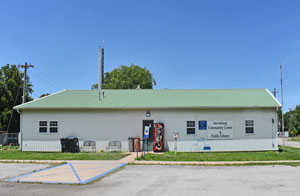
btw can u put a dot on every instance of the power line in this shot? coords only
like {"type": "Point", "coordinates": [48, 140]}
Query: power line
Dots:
{"type": "Point", "coordinates": [35, 94]}
{"type": "Point", "coordinates": [50, 79]}
{"type": "Point", "coordinates": [52, 85]}
{"type": "Point", "coordinates": [12, 111]}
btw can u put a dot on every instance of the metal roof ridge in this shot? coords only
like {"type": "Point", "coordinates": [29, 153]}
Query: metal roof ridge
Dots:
{"type": "Point", "coordinates": [166, 89]}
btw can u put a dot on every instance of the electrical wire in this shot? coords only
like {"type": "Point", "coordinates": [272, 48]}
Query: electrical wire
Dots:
{"type": "Point", "coordinates": [52, 85]}
{"type": "Point", "coordinates": [50, 79]}
{"type": "Point", "coordinates": [35, 95]}
{"type": "Point", "coordinates": [9, 122]}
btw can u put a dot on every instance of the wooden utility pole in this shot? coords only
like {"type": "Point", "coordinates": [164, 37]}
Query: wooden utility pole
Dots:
{"type": "Point", "coordinates": [25, 80]}
{"type": "Point", "coordinates": [24, 95]}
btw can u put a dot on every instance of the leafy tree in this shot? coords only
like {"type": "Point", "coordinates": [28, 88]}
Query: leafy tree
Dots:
{"type": "Point", "coordinates": [296, 120]}
{"type": "Point", "coordinates": [11, 82]}
{"type": "Point", "coordinates": [43, 95]}
{"type": "Point", "coordinates": [292, 121]}
{"type": "Point", "coordinates": [125, 77]}
{"type": "Point", "coordinates": [279, 115]}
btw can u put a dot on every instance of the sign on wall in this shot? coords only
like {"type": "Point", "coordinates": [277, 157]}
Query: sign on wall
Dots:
{"type": "Point", "coordinates": [202, 125]}
{"type": "Point", "coordinates": [219, 130]}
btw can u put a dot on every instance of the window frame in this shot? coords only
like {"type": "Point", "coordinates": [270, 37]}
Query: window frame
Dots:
{"type": "Point", "coordinates": [53, 126]}
{"type": "Point", "coordinates": [48, 125]}
{"type": "Point", "coordinates": [190, 126]}
{"type": "Point", "coordinates": [43, 126]}
{"type": "Point", "coordinates": [249, 126]}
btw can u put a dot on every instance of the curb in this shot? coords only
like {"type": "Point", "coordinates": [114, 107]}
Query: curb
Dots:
{"type": "Point", "coordinates": [226, 163]}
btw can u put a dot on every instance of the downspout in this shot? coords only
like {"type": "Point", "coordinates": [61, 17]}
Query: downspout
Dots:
{"type": "Point", "coordinates": [276, 128]}
{"type": "Point", "coordinates": [20, 133]}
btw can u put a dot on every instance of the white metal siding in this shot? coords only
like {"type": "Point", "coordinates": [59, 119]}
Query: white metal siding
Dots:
{"type": "Point", "coordinates": [109, 125]}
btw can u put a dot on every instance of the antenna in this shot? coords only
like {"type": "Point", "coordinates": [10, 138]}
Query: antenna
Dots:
{"type": "Point", "coordinates": [101, 70]}
{"type": "Point", "coordinates": [282, 119]}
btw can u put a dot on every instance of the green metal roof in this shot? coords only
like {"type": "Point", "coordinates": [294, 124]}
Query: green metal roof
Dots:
{"type": "Point", "coordinates": [164, 98]}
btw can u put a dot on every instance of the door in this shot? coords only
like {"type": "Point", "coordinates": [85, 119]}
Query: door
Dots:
{"type": "Point", "coordinates": [151, 134]}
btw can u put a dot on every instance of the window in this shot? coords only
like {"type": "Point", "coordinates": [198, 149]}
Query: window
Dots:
{"type": "Point", "coordinates": [53, 126]}
{"type": "Point", "coordinates": [190, 127]}
{"type": "Point", "coordinates": [43, 127]}
{"type": "Point", "coordinates": [249, 126]}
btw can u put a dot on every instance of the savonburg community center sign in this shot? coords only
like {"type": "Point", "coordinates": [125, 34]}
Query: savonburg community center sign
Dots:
{"type": "Point", "coordinates": [219, 130]}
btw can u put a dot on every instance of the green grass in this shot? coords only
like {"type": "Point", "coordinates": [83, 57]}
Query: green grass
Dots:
{"type": "Point", "coordinates": [289, 153]}
{"type": "Point", "coordinates": [294, 140]}
{"type": "Point", "coordinates": [15, 154]}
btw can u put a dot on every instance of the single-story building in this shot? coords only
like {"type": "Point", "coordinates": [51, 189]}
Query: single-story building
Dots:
{"type": "Point", "coordinates": [206, 119]}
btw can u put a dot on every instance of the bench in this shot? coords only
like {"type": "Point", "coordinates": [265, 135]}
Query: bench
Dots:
{"type": "Point", "coordinates": [89, 146]}
{"type": "Point", "coordinates": [114, 146]}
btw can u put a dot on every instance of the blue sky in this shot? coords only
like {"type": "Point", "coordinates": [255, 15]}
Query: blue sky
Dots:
{"type": "Point", "coordinates": [185, 44]}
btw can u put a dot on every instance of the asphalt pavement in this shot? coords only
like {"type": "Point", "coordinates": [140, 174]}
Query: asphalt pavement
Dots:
{"type": "Point", "coordinates": [288, 143]}
{"type": "Point", "coordinates": [8, 170]}
{"type": "Point", "coordinates": [176, 180]}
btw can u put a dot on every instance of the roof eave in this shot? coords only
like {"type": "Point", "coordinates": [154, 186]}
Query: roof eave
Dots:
{"type": "Point", "coordinates": [138, 108]}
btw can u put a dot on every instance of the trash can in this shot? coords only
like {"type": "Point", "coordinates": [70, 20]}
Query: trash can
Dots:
{"type": "Point", "coordinates": [63, 142]}
{"type": "Point", "coordinates": [131, 144]}
{"type": "Point", "coordinates": [75, 145]}
{"type": "Point", "coordinates": [137, 144]}
{"type": "Point", "coordinates": [72, 145]}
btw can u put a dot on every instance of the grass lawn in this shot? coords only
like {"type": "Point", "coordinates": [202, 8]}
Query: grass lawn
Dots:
{"type": "Point", "coordinates": [288, 154]}
{"type": "Point", "coordinates": [294, 139]}
{"type": "Point", "coordinates": [14, 154]}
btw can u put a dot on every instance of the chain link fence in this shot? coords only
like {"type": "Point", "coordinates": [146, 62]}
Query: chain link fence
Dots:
{"type": "Point", "coordinates": [9, 139]}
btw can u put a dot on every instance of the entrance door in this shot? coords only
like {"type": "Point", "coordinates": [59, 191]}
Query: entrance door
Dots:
{"type": "Point", "coordinates": [151, 134]}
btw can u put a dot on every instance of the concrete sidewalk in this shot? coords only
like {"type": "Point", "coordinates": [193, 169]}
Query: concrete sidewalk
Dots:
{"type": "Point", "coordinates": [72, 172]}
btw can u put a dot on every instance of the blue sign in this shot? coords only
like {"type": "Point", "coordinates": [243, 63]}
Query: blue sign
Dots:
{"type": "Point", "coordinates": [206, 148]}
{"type": "Point", "coordinates": [146, 132]}
{"type": "Point", "coordinates": [202, 125]}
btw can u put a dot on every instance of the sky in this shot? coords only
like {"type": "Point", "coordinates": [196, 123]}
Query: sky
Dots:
{"type": "Point", "coordinates": [200, 44]}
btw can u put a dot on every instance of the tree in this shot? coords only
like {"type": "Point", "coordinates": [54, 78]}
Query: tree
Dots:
{"type": "Point", "coordinates": [43, 95]}
{"type": "Point", "coordinates": [125, 77]}
{"type": "Point", "coordinates": [11, 82]}
{"type": "Point", "coordinates": [296, 120]}
{"type": "Point", "coordinates": [292, 121]}
{"type": "Point", "coordinates": [279, 116]}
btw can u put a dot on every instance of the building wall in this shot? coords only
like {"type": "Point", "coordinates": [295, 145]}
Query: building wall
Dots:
{"type": "Point", "coordinates": [110, 125]}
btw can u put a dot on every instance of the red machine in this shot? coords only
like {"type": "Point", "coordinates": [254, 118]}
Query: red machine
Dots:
{"type": "Point", "coordinates": [158, 143]}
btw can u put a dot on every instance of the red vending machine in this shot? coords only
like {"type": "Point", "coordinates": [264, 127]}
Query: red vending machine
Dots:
{"type": "Point", "coordinates": [158, 144]}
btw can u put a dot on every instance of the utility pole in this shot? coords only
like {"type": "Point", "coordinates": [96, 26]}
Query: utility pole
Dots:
{"type": "Point", "coordinates": [274, 92]}
{"type": "Point", "coordinates": [24, 96]}
{"type": "Point", "coordinates": [25, 82]}
{"type": "Point", "coordinates": [282, 119]}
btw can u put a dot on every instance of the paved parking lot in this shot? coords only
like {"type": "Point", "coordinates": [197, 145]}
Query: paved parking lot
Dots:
{"type": "Point", "coordinates": [176, 180]}
{"type": "Point", "coordinates": [8, 170]}
{"type": "Point", "coordinates": [288, 143]}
